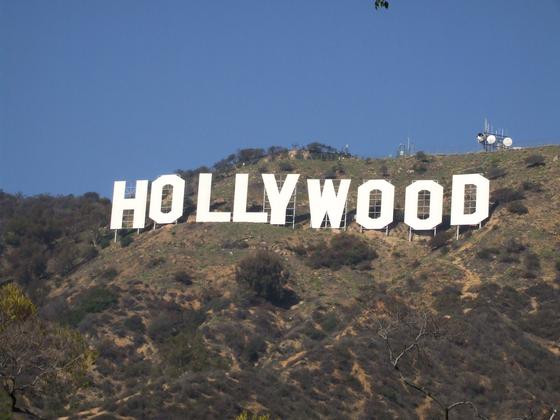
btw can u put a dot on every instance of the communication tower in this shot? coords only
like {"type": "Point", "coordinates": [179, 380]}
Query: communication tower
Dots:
{"type": "Point", "coordinates": [492, 140]}
{"type": "Point", "coordinates": [405, 150]}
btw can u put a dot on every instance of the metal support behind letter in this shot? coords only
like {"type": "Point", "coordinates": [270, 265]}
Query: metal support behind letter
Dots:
{"type": "Point", "coordinates": [290, 208]}
{"type": "Point", "coordinates": [326, 224]}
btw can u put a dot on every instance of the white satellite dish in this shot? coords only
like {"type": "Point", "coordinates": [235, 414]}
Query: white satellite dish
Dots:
{"type": "Point", "coordinates": [508, 142]}
{"type": "Point", "coordinates": [491, 139]}
{"type": "Point", "coordinates": [480, 137]}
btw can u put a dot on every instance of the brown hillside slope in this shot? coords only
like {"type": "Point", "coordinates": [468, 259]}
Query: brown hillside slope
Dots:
{"type": "Point", "coordinates": [210, 349]}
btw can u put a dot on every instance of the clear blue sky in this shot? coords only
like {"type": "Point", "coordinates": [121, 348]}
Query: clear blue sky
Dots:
{"type": "Point", "coordinates": [96, 91]}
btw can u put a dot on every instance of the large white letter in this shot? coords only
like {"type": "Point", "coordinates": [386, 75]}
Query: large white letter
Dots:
{"type": "Point", "coordinates": [203, 213]}
{"type": "Point", "coordinates": [387, 203]}
{"type": "Point", "coordinates": [328, 202]}
{"type": "Point", "coordinates": [458, 216]}
{"type": "Point", "coordinates": [279, 199]}
{"type": "Point", "coordinates": [240, 213]}
{"type": "Point", "coordinates": [411, 205]}
{"type": "Point", "coordinates": [177, 199]}
{"type": "Point", "coordinates": [137, 204]}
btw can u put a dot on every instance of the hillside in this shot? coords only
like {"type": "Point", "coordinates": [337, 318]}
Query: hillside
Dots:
{"type": "Point", "coordinates": [178, 337]}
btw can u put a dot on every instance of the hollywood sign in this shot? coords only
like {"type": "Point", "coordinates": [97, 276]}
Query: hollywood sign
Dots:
{"type": "Point", "coordinates": [323, 202]}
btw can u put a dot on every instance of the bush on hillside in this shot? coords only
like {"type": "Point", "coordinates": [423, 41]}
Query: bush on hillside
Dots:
{"type": "Point", "coordinates": [532, 186]}
{"type": "Point", "coordinates": [126, 240]}
{"type": "Point", "coordinates": [109, 273]}
{"type": "Point", "coordinates": [534, 160]}
{"type": "Point", "coordinates": [183, 277]}
{"type": "Point", "coordinates": [487, 253]}
{"type": "Point", "coordinates": [513, 246]}
{"type": "Point", "coordinates": [440, 240]}
{"type": "Point", "coordinates": [384, 171]}
{"type": "Point", "coordinates": [171, 320]}
{"type": "Point", "coordinates": [135, 324]}
{"type": "Point", "coordinates": [285, 166]}
{"type": "Point", "coordinates": [235, 244]}
{"type": "Point", "coordinates": [422, 157]}
{"type": "Point", "coordinates": [532, 262]}
{"type": "Point", "coordinates": [506, 195]}
{"type": "Point", "coordinates": [276, 151]}
{"type": "Point", "coordinates": [94, 300]}
{"type": "Point", "coordinates": [419, 167]}
{"type": "Point", "coordinates": [343, 249]}
{"type": "Point", "coordinates": [517, 207]}
{"type": "Point", "coordinates": [495, 172]}
{"type": "Point", "coordinates": [256, 345]}
{"type": "Point", "coordinates": [265, 273]}
{"type": "Point", "coordinates": [186, 352]}
{"type": "Point", "coordinates": [250, 155]}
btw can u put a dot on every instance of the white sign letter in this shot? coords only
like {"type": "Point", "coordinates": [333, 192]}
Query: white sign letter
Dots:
{"type": "Point", "coordinates": [203, 213]}
{"type": "Point", "coordinates": [240, 213]}
{"type": "Point", "coordinates": [387, 191]}
{"type": "Point", "coordinates": [327, 202]}
{"type": "Point", "coordinates": [177, 199]}
{"type": "Point", "coordinates": [279, 199]}
{"type": "Point", "coordinates": [137, 204]}
{"type": "Point", "coordinates": [411, 205]}
{"type": "Point", "coordinates": [482, 199]}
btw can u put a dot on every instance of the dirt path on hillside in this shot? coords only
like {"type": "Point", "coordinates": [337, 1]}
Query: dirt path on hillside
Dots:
{"type": "Point", "coordinates": [470, 279]}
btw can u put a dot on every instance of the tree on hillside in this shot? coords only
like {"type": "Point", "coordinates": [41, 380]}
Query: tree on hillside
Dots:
{"type": "Point", "coordinates": [405, 333]}
{"type": "Point", "coordinates": [264, 272]}
{"type": "Point", "coordinates": [381, 4]}
{"type": "Point", "coordinates": [37, 358]}
{"type": "Point", "coordinates": [418, 327]}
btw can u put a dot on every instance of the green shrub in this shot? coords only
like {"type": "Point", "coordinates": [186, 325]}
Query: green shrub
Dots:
{"type": "Point", "coordinates": [105, 241]}
{"type": "Point", "coordinates": [135, 324]}
{"type": "Point", "coordinates": [532, 262]}
{"type": "Point", "coordinates": [126, 240]}
{"type": "Point", "coordinates": [421, 157]}
{"type": "Point", "coordinates": [235, 244]}
{"type": "Point", "coordinates": [285, 166]}
{"type": "Point", "coordinates": [330, 173]}
{"type": "Point", "coordinates": [532, 186]}
{"type": "Point", "coordinates": [439, 240]}
{"type": "Point", "coordinates": [384, 171]}
{"type": "Point", "coordinates": [170, 322]}
{"type": "Point", "coordinates": [419, 168]}
{"type": "Point", "coordinates": [487, 253]}
{"type": "Point", "coordinates": [513, 246]}
{"type": "Point", "coordinates": [329, 322]}
{"type": "Point", "coordinates": [155, 262]}
{"type": "Point", "coordinates": [183, 277]}
{"type": "Point", "coordinates": [534, 160]}
{"type": "Point", "coordinates": [248, 416]}
{"type": "Point", "coordinates": [264, 272]}
{"type": "Point", "coordinates": [495, 172]}
{"type": "Point", "coordinates": [254, 348]}
{"type": "Point", "coordinates": [187, 352]}
{"type": "Point", "coordinates": [94, 300]}
{"type": "Point", "coordinates": [97, 299]}
{"type": "Point", "coordinates": [517, 207]}
{"type": "Point", "coordinates": [109, 273]}
{"type": "Point", "coordinates": [343, 249]}
{"type": "Point", "coordinates": [506, 195]}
